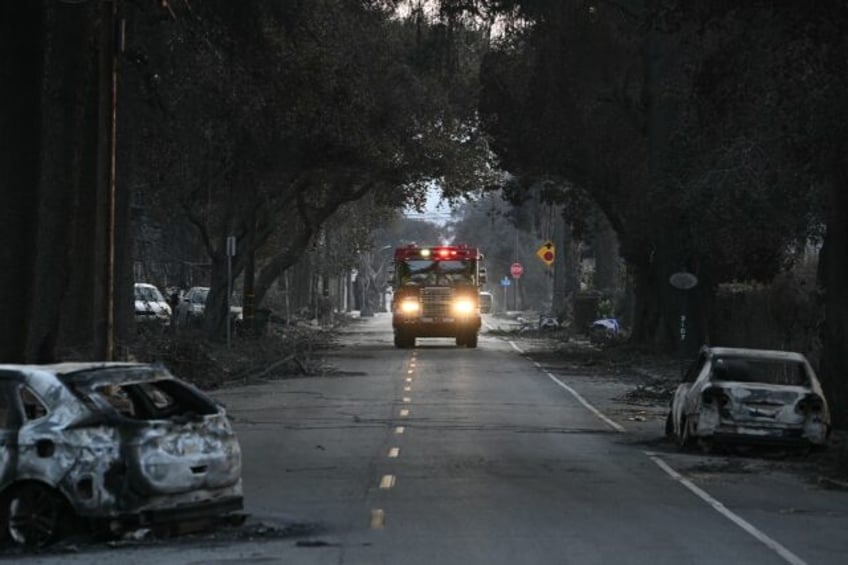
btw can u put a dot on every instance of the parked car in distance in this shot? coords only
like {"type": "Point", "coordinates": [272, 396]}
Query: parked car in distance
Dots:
{"type": "Point", "coordinates": [486, 302]}
{"type": "Point", "coordinates": [192, 307]}
{"type": "Point", "coordinates": [150, 305]}
{"type": "Point", "coordinates": [749, 396]}
{"type": "Point", "coordinates": [112, 446]}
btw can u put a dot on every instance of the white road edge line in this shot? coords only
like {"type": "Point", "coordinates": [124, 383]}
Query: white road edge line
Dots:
{"type": "Point", "coordinates": [784, 553]}
{"type": "Point", "coordinates": [611, 423]}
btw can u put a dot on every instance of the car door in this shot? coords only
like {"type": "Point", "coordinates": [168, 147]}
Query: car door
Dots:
{"type": "Point", "coordinates": [679, 404]}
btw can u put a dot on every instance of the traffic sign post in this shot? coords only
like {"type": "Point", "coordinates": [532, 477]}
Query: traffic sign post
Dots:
{"type": "Point", "coordinates": [505, 282]}
{"type": "Point", "coordinates": [231, 252]}
{"type": "Point", "coordinates": [516, 270]}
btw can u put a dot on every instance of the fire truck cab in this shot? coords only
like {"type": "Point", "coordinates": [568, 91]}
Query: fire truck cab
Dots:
{"type": "Point", "coordinates": [437, 293]}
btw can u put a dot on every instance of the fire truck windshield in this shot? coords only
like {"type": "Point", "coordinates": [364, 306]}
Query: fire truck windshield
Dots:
{"type": "Point", "coordinates": [423, 272]}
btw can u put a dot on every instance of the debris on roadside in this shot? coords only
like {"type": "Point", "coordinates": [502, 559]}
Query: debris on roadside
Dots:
{"type": "Point", "coordinates": [285, 352]}
{"type": "Point", "coordinates": [650, 394]}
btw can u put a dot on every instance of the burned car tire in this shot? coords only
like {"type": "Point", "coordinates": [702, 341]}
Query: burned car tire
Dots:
{"type": "Point", "coordinates": [34, 515]}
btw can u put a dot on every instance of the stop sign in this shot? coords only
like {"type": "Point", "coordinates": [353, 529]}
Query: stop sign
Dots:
{"type": "Point", "coordinates": [516, 270]}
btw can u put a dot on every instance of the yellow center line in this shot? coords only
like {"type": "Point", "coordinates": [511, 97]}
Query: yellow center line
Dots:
{"type": "Point", "coordinates": [387, 482]}
{"type": "Point", "coordinates": [399, 430]}
{"type": "Point", "coordinates": [404, 413]}
{"type": "Point", "coordinates": [378, 519]}
{"type": "Point", "coordinates": [394, 453]}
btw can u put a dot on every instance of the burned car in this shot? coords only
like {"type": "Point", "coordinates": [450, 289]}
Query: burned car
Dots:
{"type": "Point", "coordinates": [116, 445]}
{"type": "Point", "coordinates": [749, 396]}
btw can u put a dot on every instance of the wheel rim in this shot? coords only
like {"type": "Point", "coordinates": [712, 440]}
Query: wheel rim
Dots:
{"type": "Point", "coordinates": [33, 516]}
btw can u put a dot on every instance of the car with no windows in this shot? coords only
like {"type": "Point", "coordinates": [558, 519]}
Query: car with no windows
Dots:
{"type": "Point", "coordinates": [116, 445]}
{"type": "Point", "coordinates": [749, 396]}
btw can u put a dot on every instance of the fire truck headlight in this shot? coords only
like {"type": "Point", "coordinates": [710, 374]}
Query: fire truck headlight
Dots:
{"type": "Point", "coordinates": [463, 306]}
{"type": "Point", "coordinates": [409, 306]}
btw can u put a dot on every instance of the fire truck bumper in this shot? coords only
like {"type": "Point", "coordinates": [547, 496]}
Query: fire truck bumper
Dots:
{"type": "Point", "coordinates": [436, 327]}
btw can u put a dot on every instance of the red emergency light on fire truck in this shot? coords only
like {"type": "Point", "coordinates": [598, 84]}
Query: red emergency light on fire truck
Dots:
{"type": "Point", "coordinates": [437, 293]}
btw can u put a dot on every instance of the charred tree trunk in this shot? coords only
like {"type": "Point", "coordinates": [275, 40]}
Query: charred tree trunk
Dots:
{"type": "Point", "coordinates": [659, 307]}
{"type": "Point", "coordinates": [22, 29]}
{"type": "Point", "coordinates": [833, 279]}
{"type": "Point", "coordinates": [215, 312]}
{"type": "Point", "coordinates": [48, 163]}
{"type": "Point", "coordinates": [607, 270]}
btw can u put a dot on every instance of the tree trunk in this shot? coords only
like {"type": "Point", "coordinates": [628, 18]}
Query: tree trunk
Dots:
{"type": "Point", "coordinates": [559, 304]}
{"type": "Point", "coordinates": [21, 65]}
{"type": "Point", "coordinates": [249, 291]}
{"type": "Point", "coordinates": [215, 312]}
{"type": "Point", "coordinates": [279, 264]}
{"type": "Point", "coordinates": [833, 279]}
{"type": "Point", "coordinates": [49, 54]}
{"type": "Point", "coordinates": [607, 269]}
{"type": "Point", "coordinates": [660, 308]}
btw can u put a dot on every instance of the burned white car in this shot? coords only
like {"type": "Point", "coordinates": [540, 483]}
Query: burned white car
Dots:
{"type": "Point", "coordinates": [116, 445]}
{"type": "Point", "coordinates": [749, 396]}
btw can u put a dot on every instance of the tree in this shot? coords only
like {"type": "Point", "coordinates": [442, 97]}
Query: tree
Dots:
{"type": "Point", "coordinates": [60, 277]}
{"type": "Point", "coordinates": [506, 235]}
{"type": "Point", "coordinates": [313, 106]}
{"type": "Point", "coordinates": [603, 96]}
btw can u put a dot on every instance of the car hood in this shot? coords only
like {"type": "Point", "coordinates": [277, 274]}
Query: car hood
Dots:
{"type": "Point", "coordinates": [148, 307]}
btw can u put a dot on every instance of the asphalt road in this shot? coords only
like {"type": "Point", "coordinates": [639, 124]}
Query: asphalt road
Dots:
{"type": "Point", "coordinates": [440, 455]}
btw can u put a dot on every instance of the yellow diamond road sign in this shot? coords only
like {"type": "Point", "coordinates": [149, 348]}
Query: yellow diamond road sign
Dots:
{"type": "Point", "coordinates": [547, 253]}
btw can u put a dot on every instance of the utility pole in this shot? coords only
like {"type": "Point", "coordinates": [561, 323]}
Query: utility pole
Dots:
{"type": "Point", "coordinates": [105, 297]}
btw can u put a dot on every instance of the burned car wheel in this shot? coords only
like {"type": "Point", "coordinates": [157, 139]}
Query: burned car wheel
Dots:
{"type": "Point", "coordinates": [34, 514]}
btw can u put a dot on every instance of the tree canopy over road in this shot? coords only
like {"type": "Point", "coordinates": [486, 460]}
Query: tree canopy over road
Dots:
{"type": "Point", "coordinates": [710, 135]}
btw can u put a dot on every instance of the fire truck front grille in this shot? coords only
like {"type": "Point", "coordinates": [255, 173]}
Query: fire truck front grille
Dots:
{"type": "Point", "coordinates": [436, 302]}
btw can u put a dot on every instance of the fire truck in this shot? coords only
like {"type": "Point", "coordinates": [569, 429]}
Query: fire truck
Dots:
{"type": "Point", "coordinates": [437, 293]}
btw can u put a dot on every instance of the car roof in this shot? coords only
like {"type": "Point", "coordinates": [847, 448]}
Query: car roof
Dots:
{"type": "Point", "coordinates": [80, 371]}
{"type": "Point", "coordinates": [773, 354]}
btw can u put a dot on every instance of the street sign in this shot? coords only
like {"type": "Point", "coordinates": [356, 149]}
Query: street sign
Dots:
{"type": "Point", "coordinates": [505, 281]}
{"type": "Point", "coordinates": [516, 270]}
{"type": "Point", "coordinates": [547, 253]}
{"type": "Point", "coordinates": [683, 280]}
